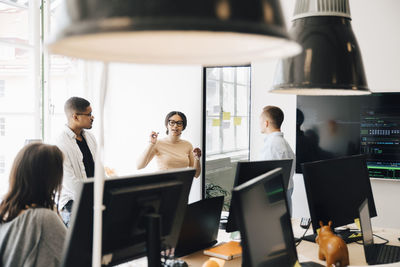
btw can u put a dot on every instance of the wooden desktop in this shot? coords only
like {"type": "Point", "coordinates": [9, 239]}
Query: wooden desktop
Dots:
{"type": "Point", "coordinates": [308, 251]}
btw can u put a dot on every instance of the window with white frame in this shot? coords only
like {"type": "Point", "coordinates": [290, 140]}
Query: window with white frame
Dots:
{"type": "Point", "coordinates": [2, 126]}
{"type": "Point", "coordinates": [227, 109]}
{"type": "Point", "coordinates": [19, 71]}
{"type": "Point", "coordinates": [2, 165]}
{"type": "Point", "coordinates": [227, 125]}
{"type": "Point", "coordinates": [39, 113]}
{"type": "Point", "coordinates": [2, 88]}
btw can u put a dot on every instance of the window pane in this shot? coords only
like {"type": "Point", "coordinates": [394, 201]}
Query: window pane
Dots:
{"type": "Point", "coordinates": [212, 133]}
{"type": "Point", "coordinates": [228, 136]}
{"type": "Point", "coordinates": [243, 98]}
{"type": "Point", "coordinates": [2, 88]}
{"type": "Point", "coordinates": [228, 74]}
{"type": "Point", "coordinates": [243, 75]}
{"type": "Point", "coordinates": [2, 164]}
{"type": "Point", "coordinates": [17, 114]}
{"type": "Point", "coordinates": [228, 93]}
{"type": "Point", "coordinates": [19, 126]}
{"type": "Point", "coordinates": [14, 23]}
{"type": "Point", "coordinates": [227, 128]}
{"type": "Point", "coordinates": [213, 102]}
{"type": "Point", "coordinates": [16, 72]}
{"type": "Point", "coordinates": [213, 73]}
{"type": "Point", "coordinates": [2, 126]}
{"type": "Point", "coordinates": [242, 133]}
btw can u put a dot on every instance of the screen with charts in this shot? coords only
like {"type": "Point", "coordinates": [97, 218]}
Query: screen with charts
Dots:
{"type": "Point", "coordinates": [380, 139]}
{"type": "Point", "coordinates": [333, 126]}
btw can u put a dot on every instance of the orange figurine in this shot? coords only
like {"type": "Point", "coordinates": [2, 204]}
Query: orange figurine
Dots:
{"type": "Point", "coordinates": [331, 247]}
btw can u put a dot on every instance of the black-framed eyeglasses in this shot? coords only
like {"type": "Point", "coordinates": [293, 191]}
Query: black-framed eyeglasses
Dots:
{"type": "Point", "coordinates": [178, 123]}
{"type": "Point", "coordinates": [85, 114]}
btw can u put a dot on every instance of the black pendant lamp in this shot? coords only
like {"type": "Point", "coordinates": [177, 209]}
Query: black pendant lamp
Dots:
{"type": "Point", "coordinates": [208, 32]}
{"type": "Point", "coordinates": [330, 63]}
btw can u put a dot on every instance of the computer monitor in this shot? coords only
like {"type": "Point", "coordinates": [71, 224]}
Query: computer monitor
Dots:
{"type": "Point", "coordinates": [336, 188]}
{"type": "Point", "coordinates": [247, 170]}
{"type": "Point", "coordinates": [132, 205]}
{"type": "Point", "coordinates": [336, 126]}
{"type": "Point", "coordinates": [264, 221]}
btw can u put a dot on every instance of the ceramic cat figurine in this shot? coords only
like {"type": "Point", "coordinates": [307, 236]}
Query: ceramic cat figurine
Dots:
{"type": "Point", "coordinates": [331, 247]}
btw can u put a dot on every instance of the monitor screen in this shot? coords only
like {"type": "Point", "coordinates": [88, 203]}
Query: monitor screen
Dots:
{"type": "Point", "coordinates": [247, 170]}
{"type": "Point", "coordinates": [336, 188]}
{"type": "Point", "coordinates": [264, 221]}
{"type": "Point", "coordinates": [128, 202]}
{"type": "Point", "coordinates": [334, 126]}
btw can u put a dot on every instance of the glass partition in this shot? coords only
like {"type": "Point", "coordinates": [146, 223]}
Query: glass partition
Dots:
{"type": "Point", "coordinates": [227, 124]}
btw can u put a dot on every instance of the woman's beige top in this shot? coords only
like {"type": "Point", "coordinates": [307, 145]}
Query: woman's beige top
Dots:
{"type": "Point", "coordinates": [172, 155]}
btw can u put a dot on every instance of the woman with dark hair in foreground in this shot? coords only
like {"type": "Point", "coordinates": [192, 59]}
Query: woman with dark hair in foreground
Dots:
{"type": "Point", "coordinates": [31, 231]}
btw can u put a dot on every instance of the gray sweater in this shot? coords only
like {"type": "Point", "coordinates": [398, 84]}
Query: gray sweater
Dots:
{"type": "Point", "coordinates": [34, 238]}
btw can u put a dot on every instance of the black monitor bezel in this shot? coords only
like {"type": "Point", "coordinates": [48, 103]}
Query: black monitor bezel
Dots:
{"type": "Point", "coordinates": [311, 117]}
{"type": "Point", "coordinates": [81, 230]}
{"type": "Point", "coordinates": [288, 238]}
{"type": "Point", "coordinates": [308, 184]}
{"type": "Point", "coordinates": [267, 165]}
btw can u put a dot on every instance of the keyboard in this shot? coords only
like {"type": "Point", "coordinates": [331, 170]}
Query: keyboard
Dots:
{"type": "Point", "coordinates": [310, 264]}
{"type": "Point", "coordinates": [386, 253]}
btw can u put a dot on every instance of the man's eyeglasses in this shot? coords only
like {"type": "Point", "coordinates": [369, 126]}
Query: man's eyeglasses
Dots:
{"type": "Point", "coordinates": [85, 114]}
{"type": "Point", "coordinates": [178, 123]}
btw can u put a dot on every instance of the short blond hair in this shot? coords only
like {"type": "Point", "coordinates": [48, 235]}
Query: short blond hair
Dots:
{"type": "Point", "coordinates": [275, 115]}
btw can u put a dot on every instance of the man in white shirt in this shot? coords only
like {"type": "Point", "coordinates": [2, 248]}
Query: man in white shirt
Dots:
{"type": "Point", "coordinates": [79, 149]}
{"type": "Point", "coordinates": [275, 146]}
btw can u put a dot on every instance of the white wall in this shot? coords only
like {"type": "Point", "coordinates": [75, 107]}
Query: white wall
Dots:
{"type": "Point", "coordinates": [375, 24]}
{"type": "Point", "coordinates": [140, 96]}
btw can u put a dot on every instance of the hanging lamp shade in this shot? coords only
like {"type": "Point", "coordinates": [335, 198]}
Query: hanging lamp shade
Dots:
{"type": "Point", "coordinates": [208, 32]}
{"type": "Point", "coordinates": [330, 63]}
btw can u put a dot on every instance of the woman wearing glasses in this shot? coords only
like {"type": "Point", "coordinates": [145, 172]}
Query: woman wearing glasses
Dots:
{"type": "Point", "coordinates": [172, 152]}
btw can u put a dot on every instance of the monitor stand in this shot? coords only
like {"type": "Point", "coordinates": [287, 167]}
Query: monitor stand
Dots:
{"type": "Point", "coordinates": [153, 228]}
{"type": "Point", "coordinates": [153, 232]}
{"type": "Point", "coordinates": [347, 236]}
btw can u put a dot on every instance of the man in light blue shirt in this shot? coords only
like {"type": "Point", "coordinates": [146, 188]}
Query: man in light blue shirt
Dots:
{"type": "Point", "coordinates": [275, 146]}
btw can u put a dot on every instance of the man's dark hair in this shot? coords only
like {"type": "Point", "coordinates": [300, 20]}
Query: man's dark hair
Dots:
{"type": "Point", "coordinates": [275, 114]}
{"type": "Point", "coordinates": [172, 113]}
{"type": "Point", "coordinates": [75, 104]}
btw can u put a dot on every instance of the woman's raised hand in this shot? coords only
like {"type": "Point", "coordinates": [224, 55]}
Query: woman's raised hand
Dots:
{"type": "Point", "coordinates": [153, 137]}
{"type": "Point", "coordinates": [197, 153]}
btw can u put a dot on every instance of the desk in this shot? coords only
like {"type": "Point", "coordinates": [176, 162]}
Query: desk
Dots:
{"type": "Point", "coordinates": [307, 251]}
{"type": "Point", "coordinates": [198, 258]}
